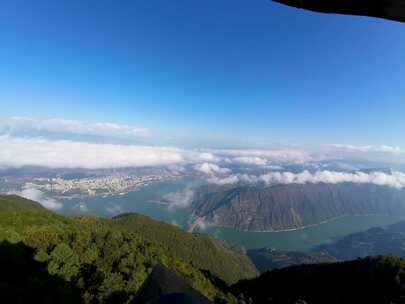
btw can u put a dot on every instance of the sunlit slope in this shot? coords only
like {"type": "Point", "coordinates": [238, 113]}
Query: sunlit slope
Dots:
{"type": "Point", "coordinates": [95, 260]}
{"type": "Point", "coordinates": [17, 203]}
{"type": "Point", "coordinates": [124, 254]}
{"type": "Point", "coordinates": [20, 213]}
{"type": "Point", "coordinates": [204, 251]}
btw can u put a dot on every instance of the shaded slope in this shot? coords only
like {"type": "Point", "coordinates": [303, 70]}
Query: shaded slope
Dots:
{"type": "Point", "coordinates": [370, 280]}
{"type": "Point", "coordinates": [163, 282]}
{"type": "Point", "coordinates": [25, 280]}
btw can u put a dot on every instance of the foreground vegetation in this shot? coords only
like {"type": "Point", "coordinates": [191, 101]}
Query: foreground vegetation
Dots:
{"type": "Point", "coordinates": [99, 263]}
{"type": "Point", "coordinates": [204, 251]}
{"type": "Point", "coordinates": [49, 258]}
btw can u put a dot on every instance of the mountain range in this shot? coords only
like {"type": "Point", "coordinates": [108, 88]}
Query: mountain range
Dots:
{"type": "Point", "coordinates": [292, 206]}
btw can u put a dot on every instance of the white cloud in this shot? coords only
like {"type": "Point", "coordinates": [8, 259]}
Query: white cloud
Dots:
{"type": "Point", "coordinates": [24, 125]}
{"type": "Point", "coordinates": [82, 207]}
{"type": "Point", "coordinates": [37, 151]}
{"type": "Point", "coordinates": [114, 209]}
{"type": "Point", "coordinates": [251, 160]}
{"type": "Point", "coordinates": [211, 169]}
{"type": "Point", "coordinates": [274, 167]}
{"type": "Point", "coordinates": [180, 199]}
{"type": "Point", "coordinates": [291, 155]}
{"type": "Point", "coordinates": [369, 149]}
{"type": "Point", "coordinates": [17, 152]}
{"type": "Point", "coordinates": [174, 223]}
{"type": "Point", "coordinates": [40, 197]}
{"type": "Point", "coordinates": [232, 179]}
{"type": "Point", "coordinates": [394, 179]}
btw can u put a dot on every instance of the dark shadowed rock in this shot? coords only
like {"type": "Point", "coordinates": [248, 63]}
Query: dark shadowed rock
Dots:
{"type": "Point", "coordinates": [387, 9]}
{"type": "Point", "coordinates": [165, 286]}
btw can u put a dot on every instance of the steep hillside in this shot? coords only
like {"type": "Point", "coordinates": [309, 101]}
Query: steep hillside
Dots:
{"type": "Point", "coordinates": [292, 206]}
{"type": "Point", "coordinates": [204, 251]}
{"type": "Point", "coordinates": [96, 262]}
{"type": "Point", "coordinates": [17, 203]}
{"type": "Point", "coordinates": [19, 213]}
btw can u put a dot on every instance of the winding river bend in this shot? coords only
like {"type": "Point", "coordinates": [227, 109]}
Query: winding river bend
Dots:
{"type": "Point", "coordinates": [148, 201]}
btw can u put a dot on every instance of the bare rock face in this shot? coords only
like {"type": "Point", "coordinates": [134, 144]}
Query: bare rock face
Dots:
{"type": "Point", "coordinates": [292, 206]}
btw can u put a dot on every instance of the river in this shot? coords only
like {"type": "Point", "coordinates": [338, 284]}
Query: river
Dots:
{"type": "Point", "coordinates": [147, 201]}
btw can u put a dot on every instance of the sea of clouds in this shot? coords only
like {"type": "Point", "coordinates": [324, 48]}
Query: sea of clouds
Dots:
{"type": "Point", "coordinates": [26, 142]}
{"type": "Point", "coordinates": [394, 179]}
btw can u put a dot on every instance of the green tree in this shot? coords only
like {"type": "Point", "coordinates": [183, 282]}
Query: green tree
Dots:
{"type": "Point", "coordinates": [64, 262]}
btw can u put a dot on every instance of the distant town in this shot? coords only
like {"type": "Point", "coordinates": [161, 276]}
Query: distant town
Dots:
{"type": "Point", "coordinates": [98, 186]}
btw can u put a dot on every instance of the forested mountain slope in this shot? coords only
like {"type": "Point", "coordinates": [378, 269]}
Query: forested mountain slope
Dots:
{"type": "Point", "coordinates": [204, 251]}
{"type": "Point", "coordinates": [85, 257]}
{"type": "Point", "coordinates": [278, 207]}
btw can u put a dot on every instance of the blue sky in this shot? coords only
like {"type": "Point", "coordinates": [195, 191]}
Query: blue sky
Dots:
{"type": "Point", "coordinates": [206, 73]}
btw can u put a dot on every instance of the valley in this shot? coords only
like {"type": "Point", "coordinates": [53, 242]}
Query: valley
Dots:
{"type": "Point", "coordinates": [143, 201]}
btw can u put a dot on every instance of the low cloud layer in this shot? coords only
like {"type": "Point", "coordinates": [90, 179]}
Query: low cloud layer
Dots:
{"type": "Point", "coordinates": [370, 149]}
{"type": "Point", "coordinates": [29, 150]}
{"type": "Point", "coordinates": [211, 169]}
{"type": "Point", "coordinates": [26, 125]}
{"type": "Point", "coordinates": [251, 160]}
{"type": "Point", "coordinates": [261, 156]}
{"type": "Point", "coordinates": [393, 179]}
{"type": "Point", "coordinates": [113, 209]}
{"type": "Point", "coordinates": [40, 197]}
{"type": "Point", "coordinates": [181, 199]}
{"type": "Point", "coordinates": [22, 151]}
{"type": "Point", "coordinates": [81, 207]}
{"type": "Point", "coordinates": [18, 152]}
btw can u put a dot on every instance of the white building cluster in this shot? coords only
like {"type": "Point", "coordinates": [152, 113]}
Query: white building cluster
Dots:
{"type": "Point", "coordinates": [106, 185]}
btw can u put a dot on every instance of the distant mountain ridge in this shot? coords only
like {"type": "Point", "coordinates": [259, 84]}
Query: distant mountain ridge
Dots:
{"type": "Point", "coordinates": [292, 206]}
{"type": "Point", "coordinates": [389, 240]}
{"type": "Point", "coordinates": [378, 241]}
